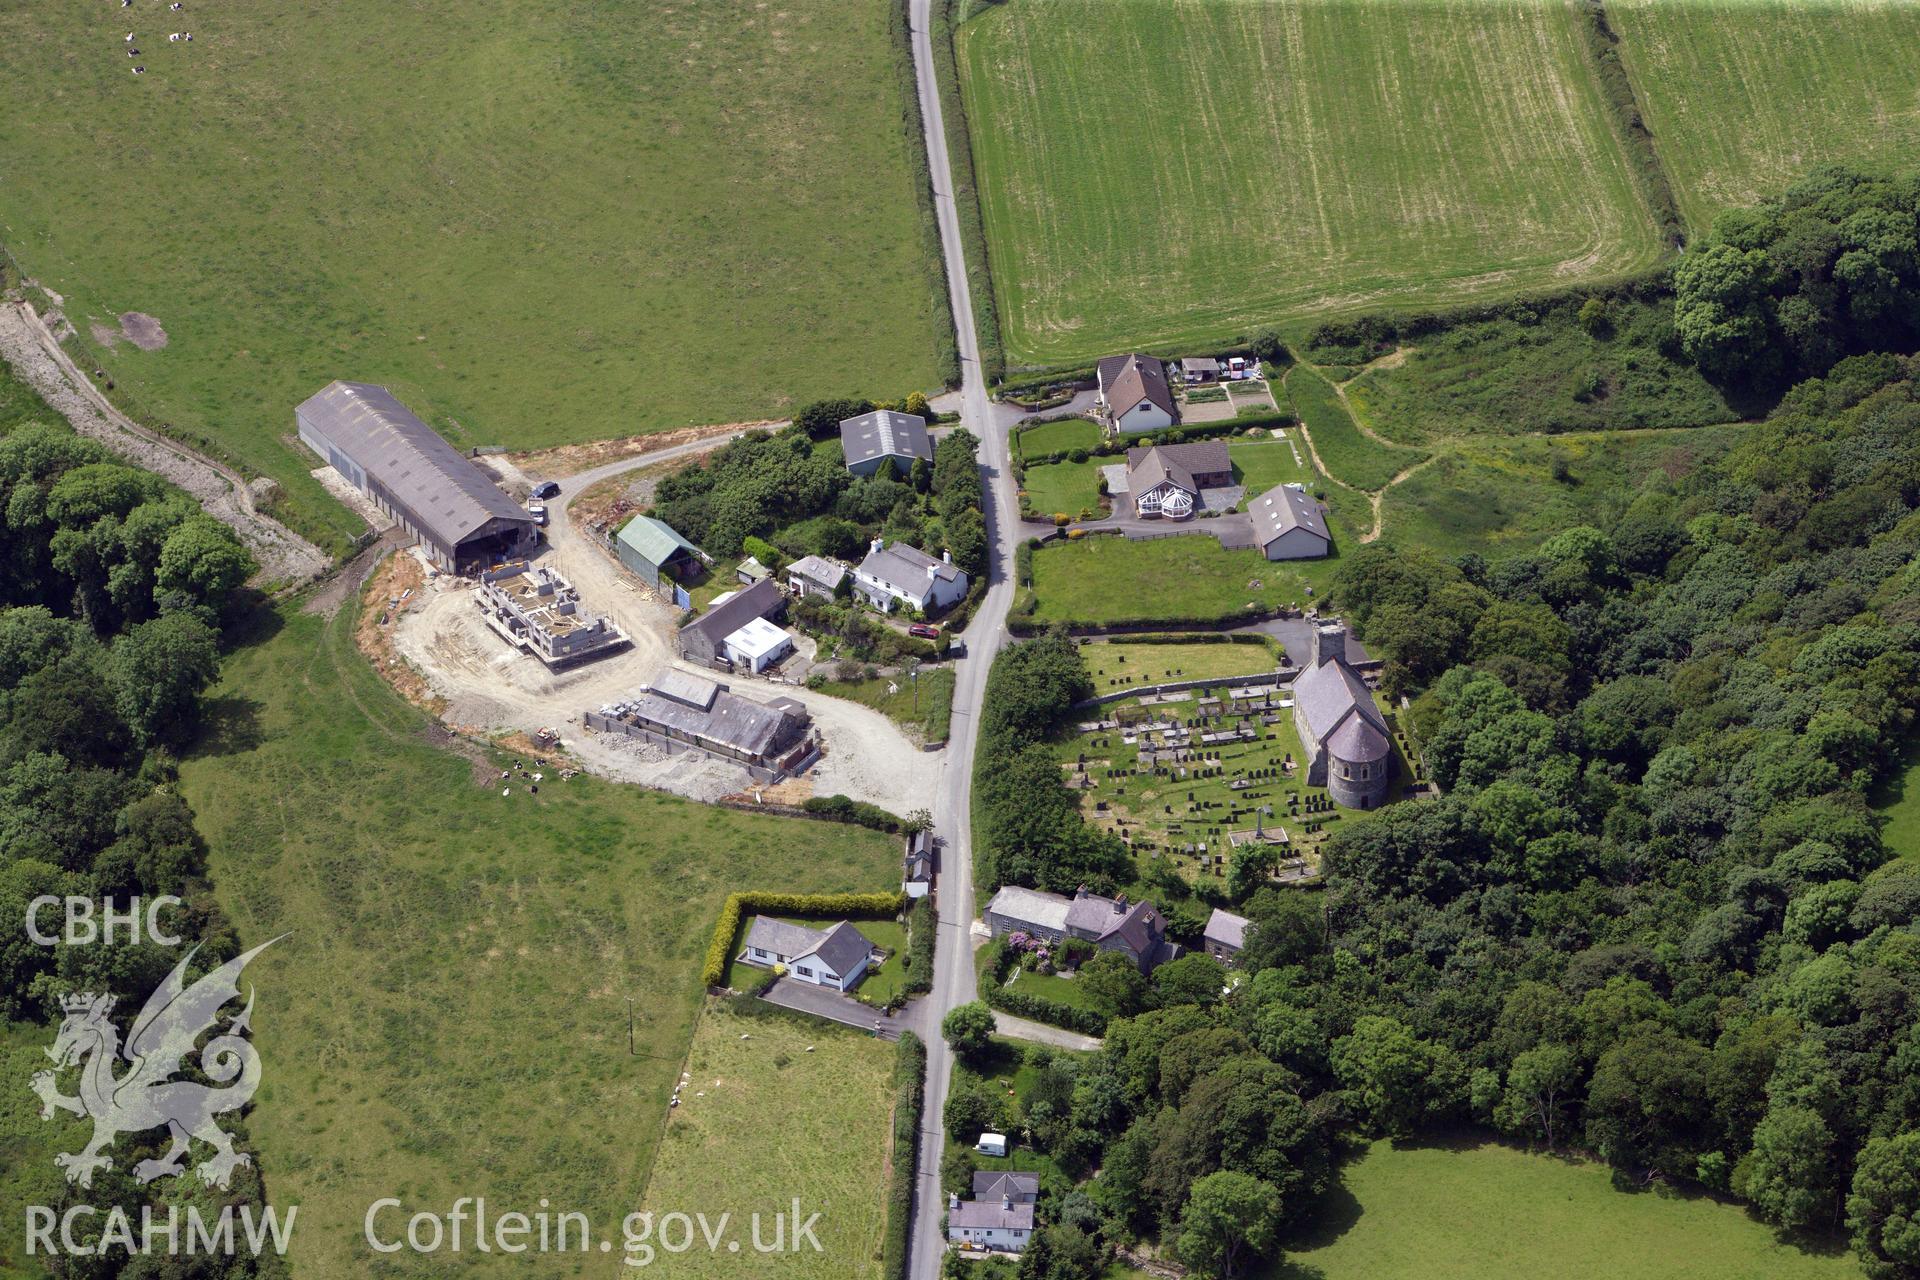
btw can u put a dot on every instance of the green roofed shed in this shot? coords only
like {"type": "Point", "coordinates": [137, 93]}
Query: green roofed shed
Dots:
{"type": "Point", "coordinates": [651, 548]}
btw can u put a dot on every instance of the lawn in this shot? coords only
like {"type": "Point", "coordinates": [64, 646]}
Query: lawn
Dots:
{"type": "Point", "coordinates": [1500, 496]}
{"type": "Point", "coordinates": [1898, 801]}
{"type": "Point", "coordinates": [878, 985]}
{"type": "Point", "coordinates": [1501, 377]}
{"type": "Point", "coordinates": [1744, 97]}
{"type": "Point", "coordinates": [450, 1013]}
{"type": "Point", "coordinates": [926, 710]}
{"type": "Point", "coordinates": [778, 1107]}
{"type": "Point", "coordinates": [1191, 577]}
{"type": "Point", "coordinates": [538, 222]}
{"type": "Point", "coordinates": [1183, 173]}
{"type": "Point", "coordinates": [1116, 664]}
{"type": "Point", "coordinates": [1489, 1212]}
{"type": "Point", "coordinates": [1260, 465]}
{"type": "Point", "coordinates": [1346, 453]}
{"type": "Point", "coordinates": [1065, 487]}
{"type": "Point", "coordinates": [1057, 437]}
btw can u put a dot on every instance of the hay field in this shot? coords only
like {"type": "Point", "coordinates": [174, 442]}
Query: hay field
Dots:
{"type": "Point", "coordinates": [1168, 171]}
{"type": "Point", "coordinates": [1745, 96]}
{"type": "Point", "coordinates": [537, 222]}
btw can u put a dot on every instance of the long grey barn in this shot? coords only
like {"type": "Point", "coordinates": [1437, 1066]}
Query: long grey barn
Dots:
{"type": "Point", "coordinates": [430, 488]}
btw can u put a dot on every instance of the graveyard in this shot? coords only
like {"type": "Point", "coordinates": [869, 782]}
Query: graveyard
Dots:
{"type": "Point", "coordinates": [1189, 775]}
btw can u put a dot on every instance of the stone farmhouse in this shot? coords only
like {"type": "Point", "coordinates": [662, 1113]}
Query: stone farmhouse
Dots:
{"type": "Point", "coordinates": [1342, 733]}
{"type": "Point", "coordinates": [1225, 936]}
{"type": "Point", "coordinates": [896, 574]}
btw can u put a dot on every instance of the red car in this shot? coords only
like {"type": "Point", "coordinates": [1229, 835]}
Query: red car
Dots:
{"type": "Point", "coordinates": [925, 630]}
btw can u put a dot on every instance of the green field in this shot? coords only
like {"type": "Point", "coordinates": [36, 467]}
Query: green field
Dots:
{"type": "Point", "coordinates": [1109, 579]}
{"type": "Point", "coordinates": [1745, 96]}
{"type": "Point", "coordinates": [1183, 172]}
{"type": "Point", "coordinates": [1488, 1212]}
{"type": "Point", "coordinates": [1502, 377]}
{"type": "Point", "coordinates": [1499, 496]}
{"type": "Point", "coordinates": [1114, 665]}
{"type": "Point", "coordinates": [1899, 803]}
{"type": "Point", "coordinates": [449, 1015]}
{"type": "Point", "coordinates": [536, 222]}
{"type": "Point", "coordinates": [1261, 464]}
{"type": "Point", "coordinates": [1343, 449]}
{"type": "Point", "coordinates": [1056, 437]}
{"type": "Point", "coordinates": [778, 1106]}
{"type": "Point", "coordinates": [1065, 488]}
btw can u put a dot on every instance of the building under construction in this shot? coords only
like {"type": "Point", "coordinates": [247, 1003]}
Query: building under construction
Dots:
{"type": "Point", "coordinates": [684, 712]}
{"type": "Point", "coordinates": [535, 609]}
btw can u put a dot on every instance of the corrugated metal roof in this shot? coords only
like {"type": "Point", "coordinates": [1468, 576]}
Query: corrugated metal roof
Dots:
{"type": "Point", "coordinates": [726, 616]}
{"type": "Point", "coordinates": [654, 540]}
{"type": "Point", "coordinates": [448, 494]}
{"type": "Point", "coordinates": [885, 433]}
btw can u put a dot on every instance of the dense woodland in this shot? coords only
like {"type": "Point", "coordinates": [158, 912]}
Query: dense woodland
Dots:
{"type": "Point", "coordinates": [114, 588]}
{"type": "Point", "coordinates": [1650, 919]}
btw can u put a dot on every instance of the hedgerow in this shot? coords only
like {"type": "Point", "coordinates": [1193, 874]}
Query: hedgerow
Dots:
{"type": "Point", "coordinates": [847, 905]}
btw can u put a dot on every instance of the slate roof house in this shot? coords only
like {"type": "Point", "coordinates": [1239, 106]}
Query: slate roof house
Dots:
{"type": "Point", "coordinates": [1021, 1188]}
{"type": "Point", "coordinates": [918, 869]}
{"type": "Point", "coordinates": [1225, 936]}
{"type": "Point", "coordinates": [816, 576]}
{"type": "Point", "coordinates": [1112, 924]}
{"type": "Point", "coordinates": [989, 1224]}
{"type": "Point", "coordinates": [411, 474]}
{"type": "Point", "coordinates": [1167, 479]}
{"type": "Point", "coordinates": [653, 548]}
{"type": "Point", "coordinates": [873, 439]}
{"type": "Point", "coordinates": [895, 573]}
{"type": "Point", "coordinates": [705, 638]}
{"type": "Point", "coordinates": [1134, 395]}
{"type": "Point", "coordinates": [1342, 733]}
{"type": "Point", "coordinates": [836, 956]}
{"type": "Point", "coordinates": [1289, 525]}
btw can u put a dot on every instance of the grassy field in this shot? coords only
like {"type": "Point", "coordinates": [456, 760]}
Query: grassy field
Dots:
{"type": "Point", "coordinates": [1097, 580]}
{"type": "Point", "coordinates": [1065, 488]}
{"type": "Point", "coordinates": [1261, 464]}
{"type": "Point", "coordinates": [1346, 453]}
{"type": "Point", "coordinates": [28, 1144]}
{"type": "Point", "coordinates": [777, 1107]}
{"type": "Point", "coordinates": [536, 222]}
{"type": "Point", "coordinates": [449, 1015]}
{"type": "Point", "coordinates": [1179, 173]}
{"type": "Point", "coordinates": [1052, 437]}
{"type": "Point", "coordinates": [1500, 377]}
{"type": "Point", "coordinates": [1744, 96]}
{"type": "Point", "coordinates": [927, 711]}
{"type": "Point", "coordinates": [1487, 1212]}
{"type": "Point", "coordinates": [1899, 803]}
{"type": "Point", "coordinates": [1115, 665]}
{"type": "Point", "coordinates": [1498, 496]}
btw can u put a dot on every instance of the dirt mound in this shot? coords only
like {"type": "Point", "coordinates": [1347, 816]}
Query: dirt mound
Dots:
{"type": "Point", "coordinates": [142, 330]}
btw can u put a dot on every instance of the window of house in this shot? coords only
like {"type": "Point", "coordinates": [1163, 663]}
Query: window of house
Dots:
{"type": "Point", "coordinates": [804, 972]}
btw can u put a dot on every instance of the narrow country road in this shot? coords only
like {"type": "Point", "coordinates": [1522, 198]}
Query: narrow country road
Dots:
{"type": "Point", "coordinates": [953, 980]}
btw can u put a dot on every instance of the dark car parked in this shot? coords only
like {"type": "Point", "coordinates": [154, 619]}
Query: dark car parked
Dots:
{"type": "Point", "coordinates": [546, 489]}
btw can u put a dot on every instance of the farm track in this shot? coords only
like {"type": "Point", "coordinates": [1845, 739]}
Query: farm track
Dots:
{"type": "Point", "coordinates": [29, 345]}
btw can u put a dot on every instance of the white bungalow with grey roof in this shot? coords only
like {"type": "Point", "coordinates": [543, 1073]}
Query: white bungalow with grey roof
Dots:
{"type": "Point", "coordinates": [989, 1224]}
{"type": "Point", "coordinates": [1342, 733]}
{"type": "Point", "coordinates": [1289, 525]}
{"type": "Point", "coordinates": [872, 440]}
{"type": "Point", "coordinates": [433, 491]}
{"type": "Point", "coordinates": [1225, 936]}
{"type": "Point", "coordinates": [897, 574]}
{"type": "Point", "coordinates": [836, 956]}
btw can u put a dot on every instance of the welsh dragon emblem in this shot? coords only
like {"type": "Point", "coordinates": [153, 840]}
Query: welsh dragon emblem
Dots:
{"type": "Point", "coordinates": [146, 1096]}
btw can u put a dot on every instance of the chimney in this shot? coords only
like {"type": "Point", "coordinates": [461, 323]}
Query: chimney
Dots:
{"type": "Point", "coordinates": [1329, 643]}
{"type": "Point", "coordinates": [1080, 892]}
{"type": "Point", "coordinates": [874, 547]}
{"type": "Point", "coordinates": [953, 1199]}
{"type": "Point", "coordinates": [1006, 1203]}
{"type": "Point", "coordinates": [1120, 905]}
{"type": "Point", "coordinates": [946, 557]}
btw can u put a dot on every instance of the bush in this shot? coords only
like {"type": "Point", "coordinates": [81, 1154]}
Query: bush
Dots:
{"type": "Point", "coordinates": [909, 1100]}
{"type": "Point", "coordinates": [999, 964]}
{"type": "Point", "coordinates": [857, 812]}
{"type": "Point", "coordinates": [922, 929]}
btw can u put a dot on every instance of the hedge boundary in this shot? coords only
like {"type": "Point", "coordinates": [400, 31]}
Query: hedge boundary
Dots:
{"type": "Point", "coordinates": [999, 962]}
{"type": "Point", "coordinates": [850, 905]}
{"type": "Point", "coordinates": [909, 1101]}
{"type": "Point", "coordinates": [946, 343]}
{"type": "Point", "coordinates": [922, 927]}
{"type": "Point", "coordinates": [942, 21]}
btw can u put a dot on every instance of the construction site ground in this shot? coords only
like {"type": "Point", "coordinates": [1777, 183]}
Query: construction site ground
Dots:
{"type": "Point", "coordinates": [477, 682]}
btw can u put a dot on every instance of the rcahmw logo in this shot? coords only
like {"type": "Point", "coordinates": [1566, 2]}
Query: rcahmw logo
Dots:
{"type": "Point", "coordinates": [145, 1096]}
